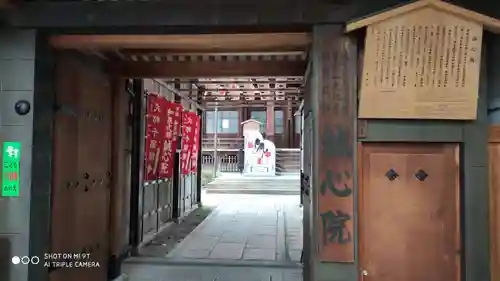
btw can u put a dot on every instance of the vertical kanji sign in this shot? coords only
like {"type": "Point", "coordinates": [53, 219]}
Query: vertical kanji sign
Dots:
{"type": "Point", "coordinates": [196, 143]}
{"type": "Point", "coordinates": [187, 141]}
{"type": "Point", "coordinates": [169, 142]}
{"type": "Point", "coordinates": [177, 122]}
{"type": "Point", "coordinates": [11, 155]}
{"type": "Point", "coordinates": [155, 130]}
{"type": "Point", "coordinates": [337, 136]}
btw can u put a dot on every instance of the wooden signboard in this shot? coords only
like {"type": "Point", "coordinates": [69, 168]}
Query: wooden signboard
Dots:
{"type": "Point", "coordinates": [422, 61]}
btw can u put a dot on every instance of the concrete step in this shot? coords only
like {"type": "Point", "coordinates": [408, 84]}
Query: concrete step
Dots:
{"type": "Point", "coordinates": [252, 186]}
{"type": "Point", "coordinates": [288, 161]}
{"type": "Point", "coordinates": [256, 183]}
{"type": "Point", "coordinates": [290, 165]}
{"type": "Point", "coordinates": [250, 179]}
{"type": "Point", "coordinates": [295, 168]}
{"type": "Point", "coordinates": [290, 191]}
{"type": "Point", "coordinates": [287, 184]}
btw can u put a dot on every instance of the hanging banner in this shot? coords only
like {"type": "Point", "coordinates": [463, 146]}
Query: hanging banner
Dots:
{"type": "Point", "coordinates": [173, 120]}
{"type": "Point", "coordinates": [155, 130]}
{"type": "Point", "coordinates": [196, 143]}
{"type": "Point", "coordinates": [187, 141]}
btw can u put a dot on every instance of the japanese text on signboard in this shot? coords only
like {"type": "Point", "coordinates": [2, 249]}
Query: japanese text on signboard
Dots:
{"type": "Point", "coordinates": [196, 144]}
{"type": "Point", "coordinates": [155, 130]}
{"type": "Point", "coordinates": [173, 116]}
{"type": "Point", "coordinates": [187, 141]}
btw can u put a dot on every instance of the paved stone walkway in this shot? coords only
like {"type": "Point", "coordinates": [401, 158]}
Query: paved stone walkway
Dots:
{"type": "Point", "coordinates": [155, 272]}
{"type": "Point", "coordinates": [247, 227]}
{"type": "Point", "coordinates": [246, 238]}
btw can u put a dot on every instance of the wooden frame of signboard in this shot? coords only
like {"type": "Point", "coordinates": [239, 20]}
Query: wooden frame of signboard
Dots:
{"type": "Point", "coordinates": [422, 61]}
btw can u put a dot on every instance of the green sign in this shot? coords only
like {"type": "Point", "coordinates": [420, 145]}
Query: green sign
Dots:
{"type": "Point", "coordinates": [11, 156]}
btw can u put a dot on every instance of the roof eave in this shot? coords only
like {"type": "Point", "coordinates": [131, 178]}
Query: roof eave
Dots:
{"type": "Point", "coordinates": [489, 23]}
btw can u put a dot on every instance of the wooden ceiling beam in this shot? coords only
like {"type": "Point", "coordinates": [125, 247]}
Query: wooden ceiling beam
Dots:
{"type": "Point", "coordinates": [207, 68]}
{"type": "Point", "coordinates": [213, 99]}
{"type": "Point", "coordinates": [256, 42]}
{"type": "Point", "coordinates": [220, 51]}
{"type": "Point", "coordinates": [262, 104]}
{"type": "Point", "coordinates": [226, 81]}
{"type": "Point", "coordinates": [251, 90]}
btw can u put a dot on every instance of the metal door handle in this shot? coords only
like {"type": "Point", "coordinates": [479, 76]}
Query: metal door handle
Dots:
{"type": "Point", "coordinates": [363, 273]}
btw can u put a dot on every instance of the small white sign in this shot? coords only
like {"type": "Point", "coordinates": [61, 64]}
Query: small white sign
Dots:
{"type": "Point", "coordinates": [225, 123]}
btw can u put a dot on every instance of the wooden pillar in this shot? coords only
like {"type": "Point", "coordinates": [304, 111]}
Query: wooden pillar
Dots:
{"type": "Point", "coordinates": [120, 205]}
{"type": "Point", "coordinates": [289, 130]}
{"type": "Point", "coordinates": [137, 187]}
{"type": "Point", "coordinates": [334, 136]}
{"type": "Point", "coordinates": [494, 204]}
{"type": "Point", "coordinates": [200, 155]}
{"type": "Point", "coordinates": [270, 120]}
{"type": "Point", "coordinates": [44, 100]}
{"type": "Point", "coordinates": [241, 118]}
{"type": "Point", "coordinates": [494, 155]}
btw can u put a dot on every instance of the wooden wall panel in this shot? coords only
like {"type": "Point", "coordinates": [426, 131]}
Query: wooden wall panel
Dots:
{"type": "Point", "coordinates": [416, 186]}
{"type": "Point", "coordinates": [165, 202]}
{"type": "Point", "coordinates": [150, 216]}
{"type": "Point", "coordinates": [494, 186]}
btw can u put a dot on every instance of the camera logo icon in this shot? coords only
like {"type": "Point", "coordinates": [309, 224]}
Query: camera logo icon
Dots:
{"type": "Point", "coordinates": [25, 260]}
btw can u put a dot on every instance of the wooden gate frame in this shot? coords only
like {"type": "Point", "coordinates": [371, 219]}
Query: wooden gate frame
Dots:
{"type": "Point", "coordinates": [494, 203]}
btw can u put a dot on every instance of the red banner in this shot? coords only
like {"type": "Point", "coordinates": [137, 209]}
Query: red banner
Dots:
{"type": "Point", "coordinates": [155, 127]}
{"type": "Point", "coordinates": [169, 143]}
{"type": "Point", "coordinates": [187, 141]}
{"type": "Point", "coordinates": [196, 144]}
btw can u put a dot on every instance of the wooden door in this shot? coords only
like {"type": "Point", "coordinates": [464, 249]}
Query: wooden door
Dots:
{"type": "Point", "coordinates": [82, 169]}
{"type": "Point", "coordinates": [409, 212]}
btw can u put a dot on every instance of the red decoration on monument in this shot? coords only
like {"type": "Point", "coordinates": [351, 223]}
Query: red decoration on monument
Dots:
{"type": "Point", "coordinates": [187, 141]}
{"type": "Point", "coordinates": [169, 143]}
{"type": "Point", "coordinates": [155, 127]}
{"type": "Point", "coordinates": [196, 143]}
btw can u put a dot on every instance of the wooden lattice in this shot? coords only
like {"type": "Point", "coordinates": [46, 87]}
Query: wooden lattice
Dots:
{"type": "Point", "coordinates": [423, 64]}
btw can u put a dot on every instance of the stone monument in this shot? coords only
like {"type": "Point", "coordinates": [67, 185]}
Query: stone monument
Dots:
{"type": "Point", "coordinates": [260, 154]}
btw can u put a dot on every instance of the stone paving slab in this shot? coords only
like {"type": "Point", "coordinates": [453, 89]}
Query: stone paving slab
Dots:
{"type": "Point", "coordinates": [260, 254]}
{"type": "Point", "coordinates": [230, 251]}
{"type": "Point", "coordinates": [294, 232]}
{"type": "Point", "coordinates": [262, 241]}
{"type": "Point", "coordinates": [142, 272]}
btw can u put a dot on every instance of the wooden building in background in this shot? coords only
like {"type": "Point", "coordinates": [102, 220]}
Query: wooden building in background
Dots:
{"type": "Point", "coordinates": [272, 101]}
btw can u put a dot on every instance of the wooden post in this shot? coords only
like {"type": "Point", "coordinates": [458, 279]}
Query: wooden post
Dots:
{"type": "Point", "coordinates": [494, 208]}
{"type": "Point", "coordinates": [334, 107]}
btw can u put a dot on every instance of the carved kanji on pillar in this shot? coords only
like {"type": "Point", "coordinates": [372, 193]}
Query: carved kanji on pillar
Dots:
{"type": "Point", "coordinates": [337, 65]}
